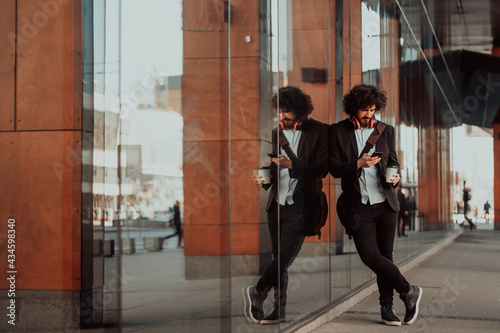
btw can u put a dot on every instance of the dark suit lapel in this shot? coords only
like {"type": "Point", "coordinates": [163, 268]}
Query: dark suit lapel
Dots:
{"type": "Point", "coordinates": [303, 138]}
{"type": "Point", "coordinates": [352, 139]}
{"type": "Point", "coordinates": [354, 146]}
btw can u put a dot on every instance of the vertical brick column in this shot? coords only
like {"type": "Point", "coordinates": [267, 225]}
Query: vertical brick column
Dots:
{"type": "Point", "coordinates": [389, 68]}
{"type": "Point", "coordinates": [7, 64]}
{"type": "Point", "coordinates": [41, 178]}
{"type": "Point", "coordinates": [222, 137]}
{"type": "Point", "coordinates": [435, 180]}
{"type": "Point", "coordinates": [435, 184]}
{"type": "Point", "coordinates": [310, 71]}
{"type": "Point", "coordinates": [352, 44]}
{"type": "Point", "coordinates": [496, 161]}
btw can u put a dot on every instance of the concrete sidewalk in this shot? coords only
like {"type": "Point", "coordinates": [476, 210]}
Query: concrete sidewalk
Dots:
{"type": "Point", "coordinates": [460, 282]}
{"type": "Point", "coordinates": [461, 285]}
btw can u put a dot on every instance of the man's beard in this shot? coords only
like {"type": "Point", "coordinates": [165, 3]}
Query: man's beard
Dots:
{"type": "Point", "coordinates": [365, 121]}
{"type": "Point", "coordinates": [288, 123]}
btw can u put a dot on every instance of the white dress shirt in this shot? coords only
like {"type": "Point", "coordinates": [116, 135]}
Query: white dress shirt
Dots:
{"type": "Point", "coordinates": [286, 183]}
{"type": "Point", "coordinates": [369, 181]}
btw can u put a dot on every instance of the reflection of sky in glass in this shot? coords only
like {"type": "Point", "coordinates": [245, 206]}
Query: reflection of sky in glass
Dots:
{"type": "Point", "coordinates": [151, 49]}
{"type": "Point", "coordinates": [473, 160]}
{"type": "Point", "coordinates": [408, 158]}
{"type": "Point", "coordinates": [281, 29]}
{"type": "Point", "coordinates": [151, 40]}
{"type": "Point", "coordinates": [370, 39]}
{"type": "Point", "coordinates": [160, 135]}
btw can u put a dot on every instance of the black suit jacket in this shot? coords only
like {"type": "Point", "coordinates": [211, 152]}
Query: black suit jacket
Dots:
{"type": "Point", "coordinates": [344, 156]}
{"type": "Point", "coordinates": [311, 166]}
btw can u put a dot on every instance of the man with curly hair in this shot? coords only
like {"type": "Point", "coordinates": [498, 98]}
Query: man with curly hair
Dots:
{"type": "Point", "coordinates": [371, 202]}
{"type": "Point", "coordinates": [295, 195]}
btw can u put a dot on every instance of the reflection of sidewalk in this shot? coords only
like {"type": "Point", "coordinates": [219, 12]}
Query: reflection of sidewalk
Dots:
{"type": "Point", "coordinates": [137, 234]}
{"type": "Point", "coordinates": [459, 281]}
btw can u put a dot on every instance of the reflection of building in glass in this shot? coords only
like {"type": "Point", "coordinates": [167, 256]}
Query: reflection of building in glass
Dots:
{"type": "Point", "coordinates": [105, 186]}
{"type": "Point", "coordinates": [153, 141]}
{"type": "Point", "coordinates": [168, 93]}
{"type": "Point", "coordinates": [151, 158]}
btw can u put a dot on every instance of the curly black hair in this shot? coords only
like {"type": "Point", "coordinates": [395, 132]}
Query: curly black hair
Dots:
{"type": "Point", "coordinates": [292, 99]}
{"type": "Point", "coordinates": [363, 96]}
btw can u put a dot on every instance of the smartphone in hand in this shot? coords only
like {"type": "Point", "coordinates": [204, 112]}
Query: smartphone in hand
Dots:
{"type": "Point", "coordinates": [272, 155]}
{"type": "Point", "coordinates": [377, 154]}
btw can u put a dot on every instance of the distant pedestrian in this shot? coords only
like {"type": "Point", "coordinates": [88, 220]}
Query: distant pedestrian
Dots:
{"type": "Point", "coordinates": [466, 198]}
{"type": "Point", "coordinates": [412, 207]}
{"type": "Point", "coordinates": [486, 208]}
{"type": "Point", "coordinates": [403, 213]}
{"type": "Point", "coordinates": [177, 224]}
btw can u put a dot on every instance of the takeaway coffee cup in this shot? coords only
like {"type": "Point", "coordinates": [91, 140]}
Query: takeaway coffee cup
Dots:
{"type": "Point", "coordinates": [390, 171]}
{"type": "Point", "coordinates": [265, 173]}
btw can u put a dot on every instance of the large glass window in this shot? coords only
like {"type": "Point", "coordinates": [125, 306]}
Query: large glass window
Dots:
{"type": "Point", "coordinates": [183, 117]}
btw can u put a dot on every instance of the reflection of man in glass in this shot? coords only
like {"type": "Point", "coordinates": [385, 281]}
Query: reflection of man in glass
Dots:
{"type": "Point", "coordinates": [296, 183]}
{"type": "Point", "coordinates": [177, 224]}
{"type": "Point", "coordinates": [371, 201]}
{"type": "Point", "coordinates": [466, 197]}
{"type": "Point", "coordinates": [486, 208]}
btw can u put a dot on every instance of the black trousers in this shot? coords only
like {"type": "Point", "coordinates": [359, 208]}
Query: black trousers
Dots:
{"type": "Point", "coordinates": [465, 216]}
{"type": "Point", "coordinates": [374, 228]}
{"type": "Point", "coordinates": [178, 232]}
{"type": "Point", "coordinates": [287, 237]}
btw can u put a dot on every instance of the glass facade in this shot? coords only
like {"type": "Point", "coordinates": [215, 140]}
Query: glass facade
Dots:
{"type": "Point", "coordinates": [181, 112]}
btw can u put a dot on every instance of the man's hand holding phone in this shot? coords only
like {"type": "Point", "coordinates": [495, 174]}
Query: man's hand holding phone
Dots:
{"type": "Point", "coordinates": [368, 160]}
{"type": "Point", "coordinates": [281, 161]}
